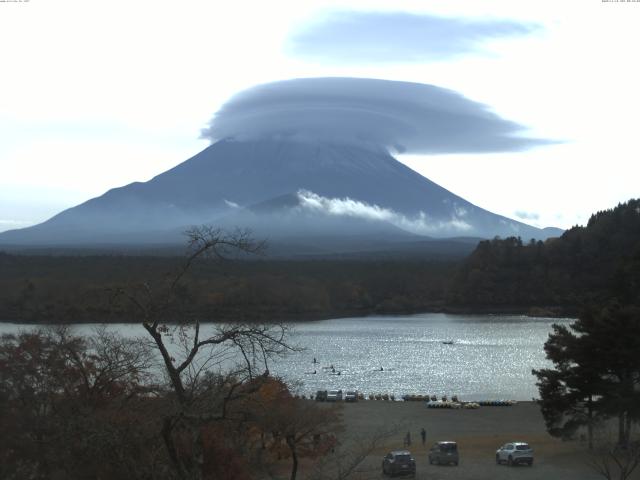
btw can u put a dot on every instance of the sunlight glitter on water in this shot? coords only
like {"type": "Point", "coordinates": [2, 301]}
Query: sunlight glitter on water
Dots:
{"type": "Point", "coordinates": [491, 356]}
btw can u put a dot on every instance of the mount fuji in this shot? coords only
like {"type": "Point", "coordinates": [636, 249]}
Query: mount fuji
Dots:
{"type": "Point", "coordinates": [283, 190]}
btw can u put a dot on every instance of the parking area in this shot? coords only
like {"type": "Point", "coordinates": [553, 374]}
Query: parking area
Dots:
{"type": "Point", "coordinates": [478, 434]}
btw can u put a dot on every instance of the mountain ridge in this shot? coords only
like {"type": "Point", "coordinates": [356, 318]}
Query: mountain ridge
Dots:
{"type": "Point", "coordinates": [339, 186]}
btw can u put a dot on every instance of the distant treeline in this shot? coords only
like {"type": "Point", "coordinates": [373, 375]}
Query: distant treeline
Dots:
{"type": "Point", "coordinates": [586, 265]}
{"type": "Point", "coordinates": [591, 264]}
{"type": "Point", "coordinates": [49, 289]}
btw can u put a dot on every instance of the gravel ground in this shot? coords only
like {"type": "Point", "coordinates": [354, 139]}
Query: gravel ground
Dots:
{"type": "Point", "coordinates": [478, 433]}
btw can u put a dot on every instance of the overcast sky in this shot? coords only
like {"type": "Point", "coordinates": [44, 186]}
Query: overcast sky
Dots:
{"type": "Point", "coordinates": [95, 94]}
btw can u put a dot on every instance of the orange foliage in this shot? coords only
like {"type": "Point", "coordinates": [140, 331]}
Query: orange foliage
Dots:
{"type": "Point", "coordinates": [220, 461]}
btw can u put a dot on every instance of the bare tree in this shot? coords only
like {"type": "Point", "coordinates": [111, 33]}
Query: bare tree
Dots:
{"type": "Point", "coordinates": [614, 461]}
{"type": "Point", "coordinates": [206, 371]}
{"type": "Point", "coordinates": [348, 461]}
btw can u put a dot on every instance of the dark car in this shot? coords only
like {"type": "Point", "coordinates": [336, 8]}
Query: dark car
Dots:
{"type": "Point", "coordinates": [399, 462]}
{"type": "Point", "coordinates": [444, 453]}
{"type": "Point", "coordinates": [321, 396]}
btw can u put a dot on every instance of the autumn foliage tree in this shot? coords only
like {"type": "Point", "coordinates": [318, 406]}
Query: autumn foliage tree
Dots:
{"type": "Point", "coordinates": [69, 406]}
{"type": "Point", "coordinates": [292, 427]}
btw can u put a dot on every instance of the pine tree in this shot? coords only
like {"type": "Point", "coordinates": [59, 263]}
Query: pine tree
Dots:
{"type": "Point", "coordinates": [596, 372]}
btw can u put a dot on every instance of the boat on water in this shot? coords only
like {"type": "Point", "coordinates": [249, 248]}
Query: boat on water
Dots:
{"type": "Point", "coordinates": [447, 342]}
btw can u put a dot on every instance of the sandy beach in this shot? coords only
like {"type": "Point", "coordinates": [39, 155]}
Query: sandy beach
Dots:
{"type": "Point", "coordinates": [478, 433]}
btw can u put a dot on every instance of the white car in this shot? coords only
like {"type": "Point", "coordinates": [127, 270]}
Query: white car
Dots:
{"type": "Point", "coordinates": [514, 453]}
{"type": "Point", "coordinates": [334, 396]}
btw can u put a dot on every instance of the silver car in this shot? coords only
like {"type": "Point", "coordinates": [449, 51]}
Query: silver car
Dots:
{"type": "Point", "coordinates": [351, 396]}
{"type": "Point", "coordinates": [514, 453]}
{"type": "Point", "coordinates": [334, 396]}
{"type": "Point", "coordinates": [444, 453]}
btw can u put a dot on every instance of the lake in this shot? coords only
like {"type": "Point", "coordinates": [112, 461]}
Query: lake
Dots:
{"type": "Point", "coordinates": [491, 356]}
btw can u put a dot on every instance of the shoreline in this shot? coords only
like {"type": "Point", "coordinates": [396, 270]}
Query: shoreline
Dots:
{"type": "Point", "coordinates": [532, 312]}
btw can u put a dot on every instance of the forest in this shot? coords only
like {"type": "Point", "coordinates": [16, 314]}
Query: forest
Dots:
{"type": "Point", "coordinates": [586, 265]}
{"type": "Point", "coordinates": [50, 289]}
{"type": "Point", "coordinates": [557, 277]}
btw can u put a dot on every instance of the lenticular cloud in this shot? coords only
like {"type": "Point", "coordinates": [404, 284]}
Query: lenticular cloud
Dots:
{"type": "Point", "coordinates": [401, 116]}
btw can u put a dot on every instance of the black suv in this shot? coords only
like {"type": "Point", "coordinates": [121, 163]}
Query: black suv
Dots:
{"type": "Point", "coordinates": [444, 453]}
{"type": "Point", "coordinates": [321, 396]}
{"type": "Point", "coordinates": [398, 462]}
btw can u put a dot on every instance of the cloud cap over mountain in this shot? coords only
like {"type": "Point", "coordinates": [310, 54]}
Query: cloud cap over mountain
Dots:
{"type": "Point", "coordinates": [402, 116]}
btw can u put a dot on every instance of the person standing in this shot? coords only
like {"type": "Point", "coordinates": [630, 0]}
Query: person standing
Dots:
{"type": "Point", "coordinates": [407, 439]}
{"type": "Point", "coordinates": [423, 434]}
